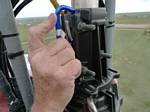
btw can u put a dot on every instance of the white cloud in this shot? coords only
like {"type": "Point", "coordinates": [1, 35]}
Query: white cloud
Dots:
{"type": "Point", "coordinates": [44, 7]}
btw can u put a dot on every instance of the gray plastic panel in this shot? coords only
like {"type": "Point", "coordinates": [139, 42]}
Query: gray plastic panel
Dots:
{"type": "Point", "coordinates": [8, 26]}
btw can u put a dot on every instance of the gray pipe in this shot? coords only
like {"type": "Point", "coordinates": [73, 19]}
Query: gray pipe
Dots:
{"type": "Point", "coordinates": [109, 31]}
{"type": "Point", "coordinates": [8, 26]}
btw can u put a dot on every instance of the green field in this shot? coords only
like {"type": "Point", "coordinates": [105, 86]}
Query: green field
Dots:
{"type": "Point", "coordinates": [131, 54]}
{"type": "Point", "coordinates": [131, 57]}
{"type": "Point", "coordinates": [133, 18]}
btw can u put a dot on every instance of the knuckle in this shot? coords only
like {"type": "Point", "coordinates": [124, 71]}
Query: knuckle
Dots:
{"type": "Point", "coordinates": [32, 30]}
{"type": "Point", "coordinates": [44, 26]}
{"type": "Point", "coordinates": [65, 42]}
{"type": "Point", "coordinates": [70, 51]}
{"type": "Point", "coordinates": [77, 65]}
{"type": "Point", "coordinates": [47, 28]}
{"type": "Point", "coordinates": [56, 75]}
{"type": "Point", "coordinates": [32, 61]}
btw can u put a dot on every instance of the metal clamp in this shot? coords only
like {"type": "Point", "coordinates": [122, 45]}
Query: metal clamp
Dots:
{"type": "Point", "coordinates": [58, 13]}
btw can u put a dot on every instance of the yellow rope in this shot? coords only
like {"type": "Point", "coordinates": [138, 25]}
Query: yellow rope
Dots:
{"type": "Point", "coordinates": [56, 4]}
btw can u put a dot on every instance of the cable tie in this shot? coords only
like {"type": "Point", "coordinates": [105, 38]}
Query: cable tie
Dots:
{"type": "Point", "coordinates": [9, 35]}
{"type": "Point", "coordinates": [16, 54]}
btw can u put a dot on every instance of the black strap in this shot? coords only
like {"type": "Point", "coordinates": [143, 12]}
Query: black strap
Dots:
{"type": "Point", "coordinates": [111, 22]}
{"type": "Point", "coordinates": [16, 54]}
{"type": "Point", "coordinates": [9, 35]}
{"type": "Point", "coordinates": [110, 26]}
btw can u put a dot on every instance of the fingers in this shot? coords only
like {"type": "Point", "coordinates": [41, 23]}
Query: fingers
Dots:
{"type": "Point", "coordinates": [57, 46]}
{"type": "Point", "coordinates": [36, 33]}
{"type": "Point", "coordinates": [65, 56]}
{"type": "Point", "coordinates": [73, 68]}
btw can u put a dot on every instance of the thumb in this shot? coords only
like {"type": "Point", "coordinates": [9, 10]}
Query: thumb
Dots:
{"type": "Point", "coordinates": [37, 33]}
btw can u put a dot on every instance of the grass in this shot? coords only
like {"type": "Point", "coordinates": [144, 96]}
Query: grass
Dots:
{"type": "Point", "coordinates": [131, 57]}
{"type": "Point", "coordinates": [23, 35]}
{"type": "Point", "coordinates": [133, 18]}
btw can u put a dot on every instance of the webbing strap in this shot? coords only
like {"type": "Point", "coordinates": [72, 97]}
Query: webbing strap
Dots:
{"type": "Point", "coordinates": [9, 35]}
{"type": "Point", "coordinates": [13, 55]}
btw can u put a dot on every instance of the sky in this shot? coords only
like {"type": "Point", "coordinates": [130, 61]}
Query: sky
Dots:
{"type": "Point", "coordinates": [39, 8]}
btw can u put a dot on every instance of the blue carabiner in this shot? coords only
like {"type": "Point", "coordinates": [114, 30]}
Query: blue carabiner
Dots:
{"type": "Point", "coordinates": [58, 23]}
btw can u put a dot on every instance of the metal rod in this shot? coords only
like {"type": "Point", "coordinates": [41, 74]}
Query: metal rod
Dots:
{"type": "Point", "coordinates": [109, 31]}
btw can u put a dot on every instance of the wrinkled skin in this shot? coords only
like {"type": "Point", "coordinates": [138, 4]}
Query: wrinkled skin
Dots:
{"type": "Point", "coordinates": [54, 69]}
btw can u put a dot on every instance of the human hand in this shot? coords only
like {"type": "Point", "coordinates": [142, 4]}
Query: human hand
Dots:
{"type": "Point", "coordinates": [54, 69]}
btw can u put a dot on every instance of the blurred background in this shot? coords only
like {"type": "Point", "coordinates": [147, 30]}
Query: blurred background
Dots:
{"type": "Point", "coordinates": [131, 49]}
